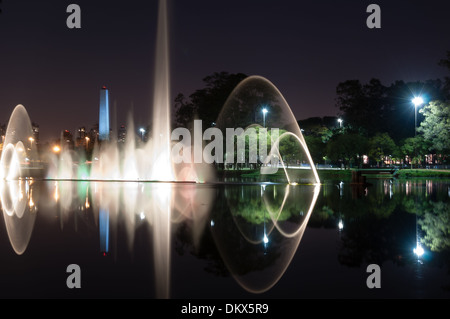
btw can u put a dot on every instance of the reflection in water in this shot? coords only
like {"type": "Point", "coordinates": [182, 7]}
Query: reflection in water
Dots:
{"type": "Point", "coordinates": [405, 222]}
{"type": "Point", "coordinates": [270, 220]}
{"type": "Point", "coordinates": [19, 212]}
{"type": "Point", "coordinates": [249, 231]}
{"type": "Point", "coordinates": [278, 222]}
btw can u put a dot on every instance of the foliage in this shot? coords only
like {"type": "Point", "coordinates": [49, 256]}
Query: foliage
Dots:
{"type": "Point", "coordinates": [436, 225]}
{"type": "Point", "coordinates": [414, 147]}
{"type": "Point", "coordinates": [376, 108]}
{"type": "Point", "coordinates": [361, 104]}
{"type": "Point", "coordinates": [348, 147]}
{"type": "Point", "coordinates": [316, 147]}
{"type": "Point", "coordinates": [446, 64]}
{"type": "Point", "coordinates": [436, 125]}
{"type": "Point", "coordinates": [205, 104]}
{"type": "Point", "coordinates": [380, 146]}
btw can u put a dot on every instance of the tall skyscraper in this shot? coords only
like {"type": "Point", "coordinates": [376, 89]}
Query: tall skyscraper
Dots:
{"type": "Point", "coordinates": [104, 115]}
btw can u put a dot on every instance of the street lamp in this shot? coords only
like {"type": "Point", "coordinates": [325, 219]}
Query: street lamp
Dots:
{"type": "Point", "coordinates": [340, 122]}
{"type": "Point", "coordinates": [31, 142]}
{"type": "Point", "coordinates": [417, 101]}
{"type": "Point", "coordinates": [87, 142]}
{"type": "Point", "coordinates": [264, 110]}
{"type": "Point", "coordinates": [142, 133]}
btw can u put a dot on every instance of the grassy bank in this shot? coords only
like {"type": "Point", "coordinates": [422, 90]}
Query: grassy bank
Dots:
{"type": "Point", "coordinates": [410, 173]}
{"type": "Point", "coordinates": [346, 174]}
{"type": "Point", "coordinates": [296, 173]}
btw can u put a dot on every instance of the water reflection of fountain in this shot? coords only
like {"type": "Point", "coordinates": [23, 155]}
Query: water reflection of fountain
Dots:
{"type": "Point", "coordinates": [19, 209]}
{"type": "Point", "coordinates": [258, 258]}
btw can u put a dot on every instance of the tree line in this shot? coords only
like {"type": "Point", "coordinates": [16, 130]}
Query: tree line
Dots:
{"type": "Point", "coordinates": [379, 122]}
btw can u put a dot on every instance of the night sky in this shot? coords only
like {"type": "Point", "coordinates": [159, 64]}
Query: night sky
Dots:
{"type": "Point", "coordinates": [304, 47]}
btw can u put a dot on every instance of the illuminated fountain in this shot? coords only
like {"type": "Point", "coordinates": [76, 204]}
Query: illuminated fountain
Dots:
{"type": "Point", "coordinates": [254, 104]}
{"type": "Point", "coordinates": [259, 108]}
{"type": "Point", "coordinates": [19, 155]}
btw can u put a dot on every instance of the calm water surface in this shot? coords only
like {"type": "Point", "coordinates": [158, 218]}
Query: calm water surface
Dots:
{"type": "Point", "coordinates": [162, 240]}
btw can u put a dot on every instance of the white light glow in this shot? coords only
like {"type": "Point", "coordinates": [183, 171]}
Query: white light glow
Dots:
{"type": "Point", "coordinates": [417, 101]}
{"type": "Point", "coordinates": [418, 251]}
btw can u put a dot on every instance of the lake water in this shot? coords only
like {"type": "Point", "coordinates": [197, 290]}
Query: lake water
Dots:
{"type": "Point", "coordinates": [224, 240]}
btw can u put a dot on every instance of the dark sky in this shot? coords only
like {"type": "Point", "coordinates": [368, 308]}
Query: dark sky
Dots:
{"type": "Point", "coordinates": [304, 47]}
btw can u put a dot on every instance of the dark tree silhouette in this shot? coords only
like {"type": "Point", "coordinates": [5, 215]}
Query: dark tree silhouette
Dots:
{"type": "Point", "coordinates": [446, 64]}
{"type": "Point", "coordinates": [205, 104]}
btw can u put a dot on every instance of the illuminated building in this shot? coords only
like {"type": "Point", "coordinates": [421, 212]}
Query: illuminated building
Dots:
{"type": "Point", "coordinates": [67, 140]}
{"type": "Point", "coordinates": [104, 121]}
{"type": "Point", "coordinates": [122, 134]}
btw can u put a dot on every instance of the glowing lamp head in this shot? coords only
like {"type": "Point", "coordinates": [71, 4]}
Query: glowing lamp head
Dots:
{"type": "Point", "coordinates": [417, 101]}
{"type": "Point", "coordinates": [264, 110]}
{"type": "Point", "coordinates": [418, 251]}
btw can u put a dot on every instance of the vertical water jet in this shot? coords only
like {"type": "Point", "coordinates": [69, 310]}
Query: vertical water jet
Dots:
{"type": "Point", "coordinates": [162, 169]}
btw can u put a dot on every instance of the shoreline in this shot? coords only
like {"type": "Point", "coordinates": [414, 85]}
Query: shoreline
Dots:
{"type": "Point", "coordinates": [347, 173]}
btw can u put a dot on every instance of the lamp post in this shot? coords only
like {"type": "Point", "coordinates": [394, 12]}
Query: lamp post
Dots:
{"type": "Point", "coordinates": [417, 101]}
{"type": "Point", "coordinates": [142, 133]}
{"type": "Point", "coordinates": [264, 110]}
{"type": "Point", "coordinates": [340, 122]}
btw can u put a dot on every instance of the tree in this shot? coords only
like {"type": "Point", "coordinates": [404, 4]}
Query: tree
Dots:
{"type": "Point", "coordinates": [205, 104]}
{"type": "Point", "coordinates": [446, 64]}
{"type": "Point", "coordinates": [346, 147]}
{"type": "Point", "coordinates": [316, 147]}
{"type": "Point", "coordinates": [436, 125]}
{"type": "Point", "coordinates": [414, 147]}
{"type": "Point", "coordinates": [363, 105]}
{"type": "Point", "coordinates": [374, 108]}
{"type": "Point", "coordinates": [400, 120]}
{"type": "Point", "coordinates": [381, 146]}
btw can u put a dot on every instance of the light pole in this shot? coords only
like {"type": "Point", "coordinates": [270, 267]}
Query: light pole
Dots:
{"type": "Point", "coordinates": [142, 133]}
{"type": "Point", "coordinates": [417, 101]}
{"type": "Point", "coordinates": [264, 110]}
{"type": "Point", "coordinates": [340, 122]}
